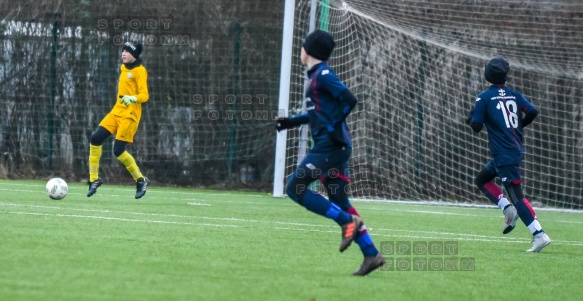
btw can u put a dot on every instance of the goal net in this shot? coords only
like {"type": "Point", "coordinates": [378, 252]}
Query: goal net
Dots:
{"type": "Point", "coordinates": [417, 66]}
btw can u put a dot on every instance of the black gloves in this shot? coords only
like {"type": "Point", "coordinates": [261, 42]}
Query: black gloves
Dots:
{"type": "Point", "coordinates": [284, 123]}
{"type": "Point", "coordinates": [335, 132]}
{"type": "Point", "coordinates": [476, 126]}
{"type": "Point", "coordinates": [529, 117]}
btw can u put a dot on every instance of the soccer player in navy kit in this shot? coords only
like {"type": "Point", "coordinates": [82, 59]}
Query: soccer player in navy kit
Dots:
{"type": "Point", "coordinates": [328, 102]}
{"type": "Point", "coordinates": [501, 110]}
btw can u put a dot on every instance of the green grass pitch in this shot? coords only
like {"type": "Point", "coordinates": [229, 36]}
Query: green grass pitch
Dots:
{"type": "Point", "coordinates": [184, 244]}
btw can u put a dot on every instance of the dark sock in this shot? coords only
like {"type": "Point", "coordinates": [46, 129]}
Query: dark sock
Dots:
{"type": "Point", "coordinates": [364, 240]}
{"type": "Point", "coordinates": [366, 245]}
{"type": "Point", "coordinates": [320, 205]}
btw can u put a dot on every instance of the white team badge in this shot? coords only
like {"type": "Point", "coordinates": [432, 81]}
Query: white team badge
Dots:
{"type": "Point", "coordinates": [130, 75]}
{"type": "Point", "coordinates": [501, 92]}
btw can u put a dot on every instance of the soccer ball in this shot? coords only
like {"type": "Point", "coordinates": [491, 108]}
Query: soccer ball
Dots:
{"type": "Point", "coordinates": [57, 188]}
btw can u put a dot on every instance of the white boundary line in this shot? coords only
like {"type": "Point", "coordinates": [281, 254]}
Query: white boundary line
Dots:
{"type": "Point", "coordinates": [121, 219]}
{"type": "Point", "coordinates": [388, 201]}
{"type": "Point", "coordinates": [418, 234]}
{"type": "Point", "coordinates": [200, 203]}
{"type": "Point", "coordinates": [458, 204]}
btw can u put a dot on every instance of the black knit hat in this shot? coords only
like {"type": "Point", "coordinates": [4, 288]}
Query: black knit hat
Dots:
{"type": "Point", "coordinates": [496, 70]}
{"type": "Point", "coordinates": [134, 48]}
{"type": "Point", "coordinates": [319, 44]}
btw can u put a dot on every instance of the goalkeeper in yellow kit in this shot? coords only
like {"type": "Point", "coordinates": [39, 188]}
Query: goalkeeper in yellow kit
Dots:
{"type": "Point", "coordinates": [123, 120]}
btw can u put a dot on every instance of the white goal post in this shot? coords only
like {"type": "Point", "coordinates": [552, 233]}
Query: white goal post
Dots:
{"type": "Point", "coordinates": [416, 67]}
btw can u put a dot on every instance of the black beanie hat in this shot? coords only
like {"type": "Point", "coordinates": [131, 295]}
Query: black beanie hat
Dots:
{"type": "Point", "coordinates": [319, 44]}
{"type": "Point", "coordinates": [496, 70]}
{"type": "Point", "coordinates": [134, 48]}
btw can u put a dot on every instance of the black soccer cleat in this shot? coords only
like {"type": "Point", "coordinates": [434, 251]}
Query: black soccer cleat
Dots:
{"type": "Point", "coordinates": [93, 186]}
{"type": "Point", "coordinates": [349, 232]}
{"type": "Point", "coordinates": [141, 186]}
{"type": "Point", "coordinates": [370, 264]}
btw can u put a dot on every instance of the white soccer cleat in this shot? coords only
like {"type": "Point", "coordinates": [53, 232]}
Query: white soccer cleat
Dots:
{"type": "Point", "coordinates": [539, 241]}
{"type": "Point", "coordinates": [510, 218]}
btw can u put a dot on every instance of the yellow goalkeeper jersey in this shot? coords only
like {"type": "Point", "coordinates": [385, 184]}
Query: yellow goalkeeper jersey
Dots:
{"type": "Point", "coordinates": [132, 82]}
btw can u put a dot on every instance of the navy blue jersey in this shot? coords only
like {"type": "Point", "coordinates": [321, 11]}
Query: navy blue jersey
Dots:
{"type": "Point", "coordinates": [324, 107]}
{"type": "Point", "coordinates": [500, 109]}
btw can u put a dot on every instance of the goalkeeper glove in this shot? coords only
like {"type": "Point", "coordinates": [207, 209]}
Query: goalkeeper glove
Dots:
{"type": "Point", "coordinates": [284, 123]}
{"type": "Point", "coordinates": [128, 100]}
{"type": "Point", "coordinates": [336, 134]}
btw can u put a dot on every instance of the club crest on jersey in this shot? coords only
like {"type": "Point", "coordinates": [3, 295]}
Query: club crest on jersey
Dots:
{"type": "Point", "coordinates": [130, 75]}
{"type": "Point", "coordinates": [501, 92]}
{"type": "Point", "coordinates": [325, 71]}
